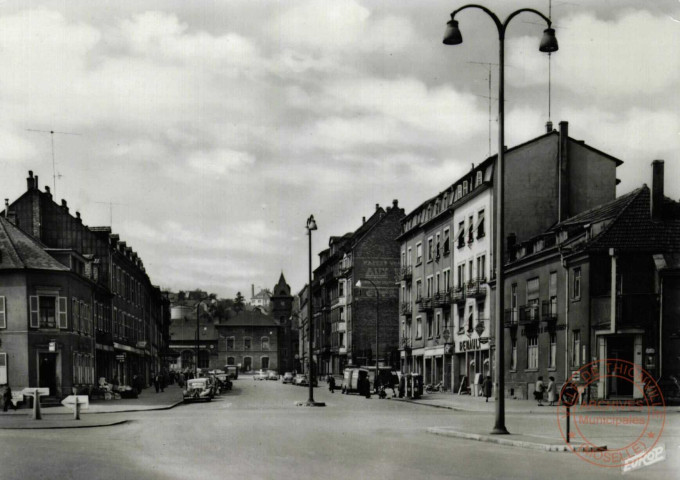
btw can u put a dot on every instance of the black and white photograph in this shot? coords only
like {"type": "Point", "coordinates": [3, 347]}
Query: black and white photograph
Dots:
{"type": "Point", "coordinates": [339, 239]}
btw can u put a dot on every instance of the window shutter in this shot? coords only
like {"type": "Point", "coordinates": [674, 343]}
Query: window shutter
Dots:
{"type": "Point", "coordinates": [74, 314]}
{"type": "Point", "coordinates": [35, 323]}
{"type": "Point", "coordinates": [3, 314]}
{"type": "Point", "coordinates": [3, 368]}
{"type": "Point", "coordinates": [63, 310]}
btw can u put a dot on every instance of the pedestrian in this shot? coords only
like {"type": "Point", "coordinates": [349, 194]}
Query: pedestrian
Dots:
{"type": "Point", "coordinates": [551, 391]}
{"type": "Point", "coordinates": [163, 381]}
{"type": "Point", "coordinates": [7, 398]}
{"type": "Point", "coordinates": [486, 387]}
{"type": "Point", "coordinates": [180, 380]}
{"type": "Point", "coordinates": [538, 391]}
{"type": "Point", "coordinates": [157, 382]}
{"type": "Point", "coordinates": [331, 383]}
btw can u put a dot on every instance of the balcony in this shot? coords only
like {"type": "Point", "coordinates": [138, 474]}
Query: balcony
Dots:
{"type": "Point", "coordinates": [475, 288]}
{"type": "Point", "coordinates": [632, 310]}
{"type": "Point", "coordinates": [406, 308]}
{"type": "Point", "coordinates": [528, 314]}
{"type": "Point", "coordinates": [442, 299]}
{"type": "Point", "coordinates": [458, 295]}
{"type": "Point", "coordinates": [549, 309]}
{"type": "Point", "coordinates": [425, 305]}
{"type": "Point", "coordinates": [511, 318]}
{"type": "Point", "coordinates": [404, 274]}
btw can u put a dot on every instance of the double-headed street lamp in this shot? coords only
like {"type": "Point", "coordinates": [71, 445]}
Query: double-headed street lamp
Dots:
{"type": "Point", "coordinates": [311, 226]}
{"type": "Point", "coordinates": [377, 329]}
{"type": "Point", "coordinates": [548, 45]}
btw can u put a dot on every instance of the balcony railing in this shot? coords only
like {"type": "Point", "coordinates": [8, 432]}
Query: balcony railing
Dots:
{"type": "Point", "coordinates": [425, 305]}
{"type": "Point", "coordinates": [458, 295]}
{"type": "Point", "coordinates": [549, 310]}
{"type": "Point", "coordinates": [405, 273]}
{"type": "Point", "coordinates": [442, 299]}
{"type": "Point", "coordinates": [511, 318]}
{"type": "Point", "coordinates": [632, 310]}
{"type": "Point", "coordinates": [528, 314]}
{"type": "Point", "coordinates": [406, 308]}
{"type": "Point", "coordinates": [475, 288]}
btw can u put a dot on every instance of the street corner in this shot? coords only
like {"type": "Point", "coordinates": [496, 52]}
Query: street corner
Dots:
{"type": "Point", "coordinates": [514, 440]}
{"type": "Point", "coordinates": [57, 421]}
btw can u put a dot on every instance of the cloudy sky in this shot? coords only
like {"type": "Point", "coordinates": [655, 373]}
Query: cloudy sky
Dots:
{"type": "Point", "coordinates": [215, 128]}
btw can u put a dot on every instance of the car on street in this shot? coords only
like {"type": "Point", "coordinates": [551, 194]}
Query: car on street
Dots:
{"type": "Point", "coordinates": [198, 389]}
{"type": "Point", "coordinates": [260, 375]}
{"type": "Point", "coordinates": [224, 381]}
{"type": "Point", "coordinates": [272, 375]}
{"type": "Point", "coordinates": [303, 380]}
{"type": "Point", "coordinates": [232, 371]}
{"type": "Point", "coordinates": [288, 377]}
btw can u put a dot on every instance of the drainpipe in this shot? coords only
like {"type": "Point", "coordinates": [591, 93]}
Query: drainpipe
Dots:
{"type": "Point", "coordinates": [566, 312]}
{"type": "Point", "coordinates": [659, 356]}
{"type": "Point", "coordinates": [612, 299]}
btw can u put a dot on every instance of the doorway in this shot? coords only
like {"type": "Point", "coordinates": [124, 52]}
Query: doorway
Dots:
{"type": "Point", "coordinates": [247, 364]}
{"type": "Point", "coordinates": [47, 373]}
{"type": "Point", "coordinates": [620, 347]}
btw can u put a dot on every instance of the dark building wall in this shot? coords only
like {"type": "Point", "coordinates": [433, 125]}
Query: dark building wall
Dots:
{"type": "Point", "coordinates": [670, 334]}
{"type": "Point", "coordinates": [592, 178]}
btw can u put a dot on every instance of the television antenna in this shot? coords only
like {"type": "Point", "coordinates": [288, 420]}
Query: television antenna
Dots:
{"type": "Point", "coordinates": [491, 98]}
{"type": "Point", "coordinates": [54, 168]}
{"type": "Point", "coordinates": [111, 204]}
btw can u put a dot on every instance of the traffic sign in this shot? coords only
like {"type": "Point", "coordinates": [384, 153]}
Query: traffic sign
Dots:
{"type": "Point", "coordinates": [29, 392]}
{"type": "Point", "coordinates": [70, 401]}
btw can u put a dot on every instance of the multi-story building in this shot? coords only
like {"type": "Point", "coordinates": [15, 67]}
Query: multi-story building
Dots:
{"type": "Point", "coordinates": [547, 179]}
{"type": "Point", "coordinates": [590, 289]}
{"type": "Point", "coordinates": [186, 332]}
{"type": "Point", "coordinates": [122, 316]}
{"type": "Point", "coordinates": [345, 317]}
{"type": "Point", "coordinates": [261, 299]}
{"type": "Point", "coordinates": [250, 340]}
{"type": "Point", "coordinates": [303, 330]}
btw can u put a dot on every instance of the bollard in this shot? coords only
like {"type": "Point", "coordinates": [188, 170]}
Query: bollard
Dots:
{"type": "Point", "coordinates": [76, 410]}
{"type": "Point", "coordinates": [36, 406]}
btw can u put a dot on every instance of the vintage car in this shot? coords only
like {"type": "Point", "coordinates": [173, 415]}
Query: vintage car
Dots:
{"type": "Point", "coordinates": [288, 377]}
{"type": "Point", "coordinates": [303, 380]}
{"type": "Point", "coordinates": [198, 389]}
{"type": "Point", "coordinates": [260, 375]}
{"type": "Point", "coordinates": [224, 381]}
{"type": "Point", "coordinates": [272, 375]}
{"type": "Point", "coordinates": [232, 371]}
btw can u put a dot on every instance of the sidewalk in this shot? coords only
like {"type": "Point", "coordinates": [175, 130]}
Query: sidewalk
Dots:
{"type": "Point", "coordinates": [62, 417]}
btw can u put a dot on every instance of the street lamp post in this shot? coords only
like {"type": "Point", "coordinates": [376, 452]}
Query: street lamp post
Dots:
{"type": "Point", "coordinates": [311, 226]}
{"type": "Point", "coordinates": [198, 338]}
{"type": "Point", "coordinates": [377, 329]}
{"type": "Point", "coordinates": [548, 45]}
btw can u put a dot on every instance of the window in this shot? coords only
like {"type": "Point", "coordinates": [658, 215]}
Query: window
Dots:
{"type": "Point", "coordinates": [437, 324]}
{"type": "Point", "coordinates": [470, 271]}
{"type": "Point", "coordinates": [403, 258]}
{"type": "Point", "coordinates": [419, 253]}
{"type": "Point", "coordinates": [3, 368]}
{"type": "Point", "coordinates": [48, 311]}
{"type": "Point", "coordinates": [429, 287]}
{"type": "Point", "coordinates": [576, 291]}
{"type": "Point", "coordinates": [471, 235]}
{"type": "Point", "coordinates": [246, 343]}
{"type": "Point", "coordinates": [430, 249]}
{"type": "Point", "coordinates": [470, 318]}
{"type": "Point", "coordinates": [446, 246]}
{"type": "Point", "coordinates": [447, 280]}
{"type": "Point", "coordinates": [481, 267]}
{"type": "Point", "coordinates": [430, 328]}
{"type": "Point", "coordinates": [480, 224]}
{"type": "Point", "coordinates": [513, 297]}
{"type": "Point", "coordinates": [265, 343]}
{"type": "Point", "coordinates": [419, 289]}
{"type": "Point", "coordinates": [419, 328]}
{"type": "Point", "coordinates": [75, 306]}
{"type": "Point", "coordinates": [409, 257]}
{"type": "Point", "coordinates": [460, 236]}
{"type": "Point", "coordinates": [3, 315]}
{"type": "Point", "coordinates": [264, 361]}
{"type": "Point", "coordinates": [576, 348]}
{"type": "Point", "coordinates": [532, 352]}
{"type": "Point", "coordinates": [447, 320]}
{"type": "Point", "coordinates": [437, 247]}
{"type": "Point", "coordinates": [533, 288]}
{"type": "Point", "coordinates": [341, 289]}
{"type": "Point", "coordinates": [461, 275]}
{"type": "Point", "coordinates": [513, 354]}
{"type": "Point", "coordinates": [231, 360]}
{"type": "Point", "coordinates": [553, 294]}
{"type": "Point", "coordinates": [553, 350]}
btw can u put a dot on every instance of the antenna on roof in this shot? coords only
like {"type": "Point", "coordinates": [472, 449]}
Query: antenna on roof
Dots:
{"type": "Point", "coordinates": [54, 170]}
{"type": "Point", "coordinates": [489, 65]}
{"type": "Point", "coordinates": [110, 204]}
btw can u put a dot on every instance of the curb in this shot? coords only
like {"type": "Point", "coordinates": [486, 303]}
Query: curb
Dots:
{"type": "Point", "coordinates": [546, 447]}
{"type": "Point", "coordinates": [54, 427]}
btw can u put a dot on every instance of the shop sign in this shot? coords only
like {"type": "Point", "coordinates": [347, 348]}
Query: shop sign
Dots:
{"type": "Point", "coordinates": [53, 346]}
{"type": "Point", "coordinates": [467, 345]}
{"type": "Point", "coordinates": [120, 357]}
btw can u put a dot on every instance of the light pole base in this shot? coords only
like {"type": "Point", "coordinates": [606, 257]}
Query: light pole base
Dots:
{"type": "Point", "coordinates": [310, 403]}
{"type": "Point", "coordinates": [500, 430]}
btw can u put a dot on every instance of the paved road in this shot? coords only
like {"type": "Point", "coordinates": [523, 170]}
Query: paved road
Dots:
{"type": "Point", "coordinates": [255, 431]}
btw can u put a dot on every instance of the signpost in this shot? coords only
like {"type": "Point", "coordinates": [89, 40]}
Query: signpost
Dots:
{"type": "Point", "coordinates": [35, 393]}
{"type": "Point", "coordinates": [569, 396]}
{"type": "Point", "coordinates": [76, 403]}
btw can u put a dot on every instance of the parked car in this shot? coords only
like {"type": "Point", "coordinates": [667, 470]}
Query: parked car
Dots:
{"type": "Point", "coordinates": [351, 380]}
{"type": "Point", "coordinates": [304, 380]}
{"type": "Point", "coordinates": [288, 377]}
{"type": "Point", "coordinates": [198, 389]}
{"type": "Point", "coordinates": [272, 375]}
{"type": "Point", "coordinates": [261, 375]}
{"type": "Point", "coordinates": [224, 381]}
{"type": "Point", "coordinates": [232, 371]}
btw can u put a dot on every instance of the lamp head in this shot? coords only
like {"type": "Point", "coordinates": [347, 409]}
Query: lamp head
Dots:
{"type": "Point", "coordinates": [311, 223]}
{"type": "Point", "coordinates": [452, 35]}
{"type": "Point", "coordinates": [358, 284]}
{"type": "Point", "coordinates": [549, 41]}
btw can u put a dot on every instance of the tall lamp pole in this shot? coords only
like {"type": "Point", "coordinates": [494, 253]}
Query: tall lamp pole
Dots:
{"type": "Point", "coordinates": [377, 329]}
{"type": "Point", "coordinates": [198, 305]}
{"type": "Point", "coordinates": [548, 45]}
{"type": "Point", "coordinates": [311, 226]}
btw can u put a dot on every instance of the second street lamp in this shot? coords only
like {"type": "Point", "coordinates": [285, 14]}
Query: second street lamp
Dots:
{"type": "Point", "coordinates": [548, 45]}
{"type": "Point", "coordinates": [311, 226]}
{"type": "Point", "coordinates": [377, 330]}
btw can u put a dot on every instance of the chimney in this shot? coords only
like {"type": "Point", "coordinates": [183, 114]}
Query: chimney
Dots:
{"type": "Point", "coordinates": [30, 181]}
{"type": "Point", "coordinates": [377, 207]}
{"type": "Point", "coordinates": [563, 172]}
{"type": "Point", "coordinates": [363, 220]}
{"type": "Point", "coordinates": [47, 191]}
{"type": "Point", "coordinates": [548, 127]}
{"type": "Point", "coordinates": [395, 203]}
{"type": "Point", "coordinates": [64, 205]}
{"type": "Point", "coordinates": [252, 290]}
{"type": "Point", "coordinates": [78, 219]}
{"type": "Point", "coordinates": [657, 189]}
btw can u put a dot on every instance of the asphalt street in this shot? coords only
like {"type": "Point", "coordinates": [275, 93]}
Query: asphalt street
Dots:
{"type": "Point", "coordinates": [257, 432]}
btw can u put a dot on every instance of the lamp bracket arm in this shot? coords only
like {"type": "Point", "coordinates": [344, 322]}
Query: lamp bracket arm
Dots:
{"type": "Point", "coordinates": [493, 16]}
{"type": "Point", "coordinates": [531, 10]}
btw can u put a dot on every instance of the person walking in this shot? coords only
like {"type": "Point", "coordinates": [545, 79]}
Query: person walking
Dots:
{"type": "Point", "coordinates": [486, 387]}
{"type": "Point", "coordinates": [551, 391]}
{"type": "Point", "coordinates": [157, 382]}
{"type": "Point", "coordinates": [538, 391]}
{"type": "Point", "coordinates": [7, 398]}
{"type": "Point", "coordinates": [331, 383]}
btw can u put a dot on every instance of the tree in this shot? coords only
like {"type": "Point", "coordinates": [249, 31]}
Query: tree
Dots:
{"type": "Point", "coordinates": [239, 302]}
